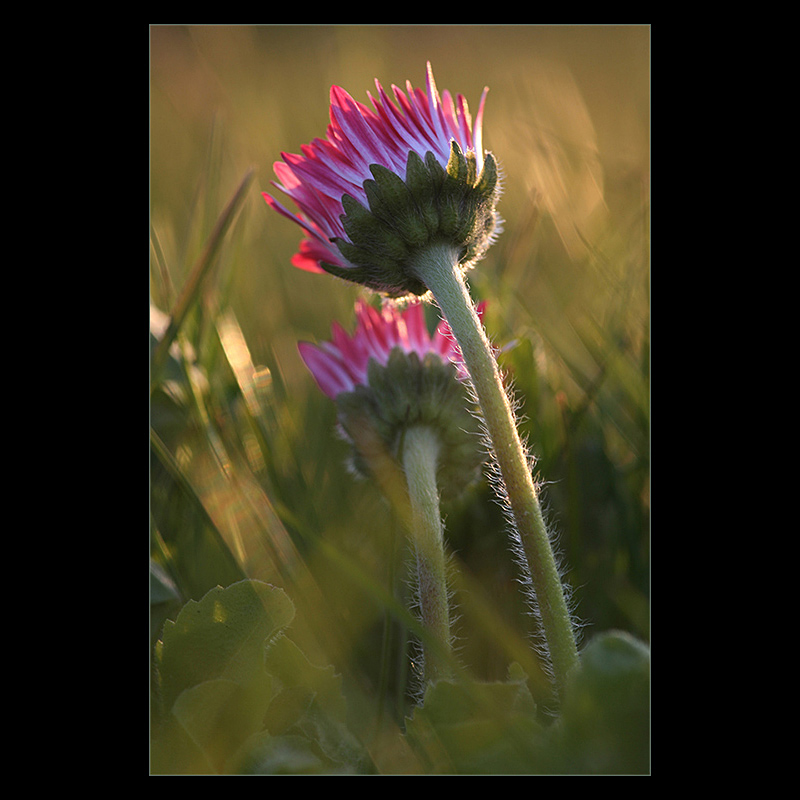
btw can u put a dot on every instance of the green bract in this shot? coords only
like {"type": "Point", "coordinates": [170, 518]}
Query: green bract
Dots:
{"type": "Point", "coordinates": [453, 206]}
{"type": "Point", "coordinates": [409, 391]}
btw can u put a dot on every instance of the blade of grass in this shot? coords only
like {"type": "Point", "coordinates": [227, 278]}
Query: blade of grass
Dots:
{"type": "Point", "coordinates": [167, 460]}
{"type": "Point", "coordinates": [202, 268]}
{"type": "Point", "coordinates": [160, 262]}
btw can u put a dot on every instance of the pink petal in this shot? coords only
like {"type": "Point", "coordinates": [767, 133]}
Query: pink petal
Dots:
{"type": "Point", "coordinates": [329, 373]}
{"type": "Point", "coordinates": [306, 262]}
{"type": "Point", "coordinates": [351, 120]}
{"type": "Point", "coordinates": [418, 338]}
{"type": "Point", "coordinates": [477, 132]}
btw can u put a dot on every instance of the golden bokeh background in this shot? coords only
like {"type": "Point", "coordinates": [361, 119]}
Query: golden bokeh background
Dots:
{"type": "Point", "coordinates": [567, 116]}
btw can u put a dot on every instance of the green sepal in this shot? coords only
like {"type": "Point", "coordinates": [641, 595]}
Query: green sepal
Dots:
{"type": "Point", "coordinates": [457, 168]}
{"type": "Point", "coordinates": [356, 220]}
{"type": "Point", "coordinates": [472, 168]}
{"type": "Point", "coordinates": [454, 187]}
{"type": "Point", "coordinates": [476, 222]}
{"type": "Point", "coordinates": [390, 199]}
{"type": "Point", "coordinates": [434, 205]}
{"type": "Point", "coordinates": [380, 276]}
{"type": "Point", "coordinates": [374, 237]}
{"type": "Point", "coordinates": [408, 391]}
{"type": "Point", "coordinates": [423, 190]}
{"type": "Point", "coordinates": [489, 177]}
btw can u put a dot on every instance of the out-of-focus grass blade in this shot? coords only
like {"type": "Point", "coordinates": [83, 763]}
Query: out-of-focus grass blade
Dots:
{"type": "Point", "coordinates": [238, 355]}
{"type": "Point", "coordinates": [167, 460]}
{"type": "Point", "coordinates": [256, 437]}
{"type": "Point", "coordinates": [199, 273]}
{"type": "Point", "coordinates": [161, 267]}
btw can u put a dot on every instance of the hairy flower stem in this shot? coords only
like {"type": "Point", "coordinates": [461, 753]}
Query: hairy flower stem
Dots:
{"type": "Point", "coordinates": [438, 268]}
{"type": "Point", "coordinates": [420, 457]}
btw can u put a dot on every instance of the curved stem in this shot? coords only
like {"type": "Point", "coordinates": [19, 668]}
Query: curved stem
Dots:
{"type": "Point", "coordinates": [438, 268]}
{"type": "Point", "coordinates": [420, 458]}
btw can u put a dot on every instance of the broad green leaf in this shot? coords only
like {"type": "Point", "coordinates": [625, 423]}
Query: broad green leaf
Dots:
{"type": "Point", "coordinates": [309, 702]}
{"type": "Point", "coordinates": [243, 697]}
{"type": "Point", "coordinates": [221, 636]}
{"type": "Point", "coordinates": [219, 715]}
{"type": "Point", "coordinates": [477, 728]}
{"type": "Point", "coordinates": [605, 724]}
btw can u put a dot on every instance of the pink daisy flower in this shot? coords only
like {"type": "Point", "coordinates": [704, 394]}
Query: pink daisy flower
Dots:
{"type": "Point", "coordinates": [341, 364]}
{"type": "Point", "coordinates": [419, 123]}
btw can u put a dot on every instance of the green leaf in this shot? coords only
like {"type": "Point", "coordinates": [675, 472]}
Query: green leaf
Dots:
{"type": "Point", "coordinates": [477, 728]}
{"type": "Point", "coordinates": [219, 716]}
{"type": "Point", "coordinates": [605, 725]}
{"type": "Point", "coordinates": [309, 702]}
{"type": "Point", "coordinates": [241, 697]}
{"type": "Point", "coordinates": [221, 636]}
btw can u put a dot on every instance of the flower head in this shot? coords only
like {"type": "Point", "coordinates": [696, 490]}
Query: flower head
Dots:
{"type": "Point", "coordinates": [391, 374]}
{"type": "Point", "coordinates": [388, 181]}
{"type": "Point", "coordinates": [342, 364]}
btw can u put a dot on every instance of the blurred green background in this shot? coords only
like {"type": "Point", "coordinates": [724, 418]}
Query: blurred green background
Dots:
{"type": "Point", "coordinates": [251, 479]}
